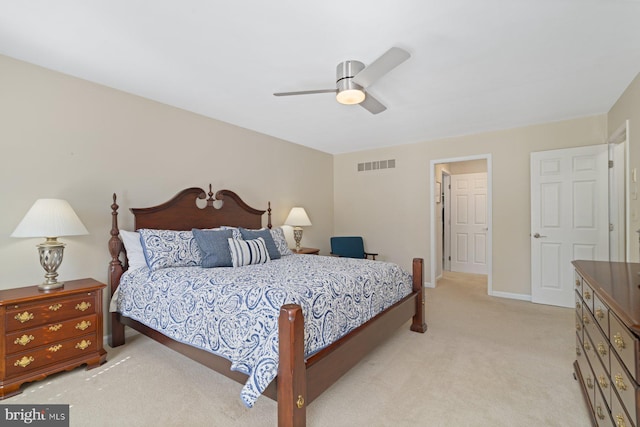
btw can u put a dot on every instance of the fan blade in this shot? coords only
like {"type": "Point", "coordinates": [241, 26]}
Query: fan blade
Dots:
{"type": "Point", "coordinates": [306, 92]}
{"type": "Point", "coordinates": [381, 66]}
{"type": "Point", "coordinates": [372, 105]}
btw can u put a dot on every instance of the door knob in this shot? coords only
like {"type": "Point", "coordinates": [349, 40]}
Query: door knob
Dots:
{"type": "Point", "coordinates": [538, 235]}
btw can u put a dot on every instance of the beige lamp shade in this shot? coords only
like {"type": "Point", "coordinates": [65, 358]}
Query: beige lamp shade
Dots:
{"type": "Point", "coordinates": [298, 218]}
{"type": "Point", "coordinates": [50, 218]}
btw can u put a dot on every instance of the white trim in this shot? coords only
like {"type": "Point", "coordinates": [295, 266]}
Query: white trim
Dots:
{"type": "Point", "coordinates": [432, 208]}
{"type": "Point", "coordinates": [509, 295]}
{"type": "Point", "coordinates": [621, 135]}
{"type": "Point", "coordinates": [428, 285]}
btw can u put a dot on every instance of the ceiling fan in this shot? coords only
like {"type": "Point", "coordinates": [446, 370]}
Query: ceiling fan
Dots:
{"type": "Point", "coordinates": [352, 78]}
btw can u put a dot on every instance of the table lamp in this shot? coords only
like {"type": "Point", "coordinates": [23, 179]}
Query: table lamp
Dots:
{"type": "Point", "coordinates": [298, 218]}
{"type": "Point", "coordinates": [50, 218]}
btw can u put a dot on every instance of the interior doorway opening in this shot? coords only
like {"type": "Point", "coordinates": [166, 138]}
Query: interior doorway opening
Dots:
{"type": "Point", "coordinates": [461, 217]}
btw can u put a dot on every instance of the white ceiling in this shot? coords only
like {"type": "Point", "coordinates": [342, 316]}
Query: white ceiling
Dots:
{"type": "Point", "coordinates": [475, 65]}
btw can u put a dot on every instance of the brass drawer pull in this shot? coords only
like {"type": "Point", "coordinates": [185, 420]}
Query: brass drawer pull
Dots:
{"type": "Point", "coordinates": [589, 382]}
{"type": "Point", "coordinates": [585, 319]}
{"type": "Point", "coordinates": [599, 412]}
{"type": "Point", "coordinates": [55, 307]}
{"type": "Point", "coordinates": [578, 352]}
{"type": "Point", "coordinates": [587, 346]}
{"type": "Point", "coordinates": [83, 306]}
{"type": "Point", "coordinates": [83, 345]}
{"type": "Point", "coordinates": [24, 340]}
{"type": "Point", "coordinates": [577, 282]}
{"type": "Point", "coordinates": [578, 326]}
{"type": "Point", "coordinates": [599, 313]}
{"type": "Point", "coordinates": [603, 381]}
{"type": "Point", "coordinates": [83, 325]}
{"type": "Point", "coordinates": [578, 305]}
{"type": "Point", "coordinates": [24, 362]}
{"type": "Point", "coordinates": [620, 421]}
{"type": "Point", "coordinates": [617, 339]}
{"type": "Point", "coordinates": [55, 348]}
{"type": "Point", "coordinates": [24, 317]}
{"type": "Point", "coordinates": [587, 295]}
{"type": "Point", "coordinates": [619, 382]}
{"type": "Point", "coordinates": [54, 328]}
{"type": "Point", "coordinates": [602, 349]}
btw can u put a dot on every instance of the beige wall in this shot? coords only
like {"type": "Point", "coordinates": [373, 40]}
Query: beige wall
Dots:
{"type": "Point", "coordinates": [628, 108]}
{"type": "Point", "coordinates": [390, 207]}
{"type": "Point", "coordinates": [63, 137]}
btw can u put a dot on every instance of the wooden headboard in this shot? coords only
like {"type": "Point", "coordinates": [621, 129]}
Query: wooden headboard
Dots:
{"type": "Point", "coordinates": [183, 213]}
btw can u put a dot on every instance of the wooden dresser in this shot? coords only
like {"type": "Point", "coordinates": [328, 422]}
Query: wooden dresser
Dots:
{"type": "Point", "coordinates": [47, 332]}
{"type": "Point", "coordinates": [608, 340]}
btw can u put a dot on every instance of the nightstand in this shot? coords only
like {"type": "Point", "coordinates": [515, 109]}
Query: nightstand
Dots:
{"type": "Point", "coordinates": [48, 332]}
{"type": "Point", "coordinates": [308, 251]}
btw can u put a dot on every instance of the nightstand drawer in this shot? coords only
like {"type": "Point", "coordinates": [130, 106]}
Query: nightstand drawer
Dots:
{"type": "Point", "coordinates": [24, 362]}
{"type": "Point", "coordinates": [24, 316]}
{"type": "Point", "coordinates": [29, 338]}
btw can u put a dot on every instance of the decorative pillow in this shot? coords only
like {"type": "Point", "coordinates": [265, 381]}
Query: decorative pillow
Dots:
{"type": "Point", "coordinates": [214, 247]}
{"type": "Point", "coordinates": [135, 255]}
{"type": "Point", "coordinates": [236, 231]}
{"type": "Point", "coordinates": [265, 233]}
{"type": "Point", "coordinates": [280, 241]}
{"type": "Point", "coordinates": [247, 252]}
{"type": "Point", "coordinates": [169, 248]}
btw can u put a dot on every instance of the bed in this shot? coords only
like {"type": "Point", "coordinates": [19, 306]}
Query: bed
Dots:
{"type": "Point", "coordinates": [304, 363]}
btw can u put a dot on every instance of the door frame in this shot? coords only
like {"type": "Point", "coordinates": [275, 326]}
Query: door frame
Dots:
{"type": "Point", "coordinates": [432, 210]}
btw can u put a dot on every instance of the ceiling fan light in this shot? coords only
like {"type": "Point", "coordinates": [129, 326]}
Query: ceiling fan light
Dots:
{"type": "Point", "coordinates": [350, 96]}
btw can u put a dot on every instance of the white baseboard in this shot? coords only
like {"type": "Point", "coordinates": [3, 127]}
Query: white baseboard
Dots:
{"type": "Point", "coordinates": [428, 285]}
{"type": "Point", "coordinates": [509, 295]}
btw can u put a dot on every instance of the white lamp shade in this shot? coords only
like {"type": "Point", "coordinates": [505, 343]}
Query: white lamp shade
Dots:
{"type": "Point", "coordinates": [298, 218]}
{"type": "Point", "coordinates": [50, 218]}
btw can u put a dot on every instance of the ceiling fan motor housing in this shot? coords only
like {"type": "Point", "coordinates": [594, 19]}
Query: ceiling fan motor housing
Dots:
{"type": "Point", "coordinates": [344, 74]}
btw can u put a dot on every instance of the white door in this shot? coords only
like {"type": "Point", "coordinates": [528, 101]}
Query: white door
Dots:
{"type": "Point", "coordinates": [569, 218]}
{"type": "Point", "coordinates": [469, 223]}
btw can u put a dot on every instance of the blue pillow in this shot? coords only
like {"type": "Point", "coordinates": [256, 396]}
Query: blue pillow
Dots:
{"type": "Point", "coordinates": [214, 247]}
{"type": "Point", "coordinates": [265, 233]}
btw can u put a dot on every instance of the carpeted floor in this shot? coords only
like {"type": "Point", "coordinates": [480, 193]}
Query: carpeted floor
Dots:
{"type": "Point", "coordinates": [483, 362]}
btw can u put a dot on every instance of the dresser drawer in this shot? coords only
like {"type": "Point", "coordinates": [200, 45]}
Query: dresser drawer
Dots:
{"type": "Point", "coordinates": [601, 410]}
{"type": "Point", "coordinates": [58, 331]}
{"type": "Point", "coordinates": [587, 296]}
{"type": "Point", "coordinates": [625, 387]}
{"type": "Point", "coordinates": [25, 316]}
{"type": "Point", "coordinates": [578, 282]}
{"type": "Point", "coordinates": [588, 357]}
{"type": "Point", "coordinates": [25, 362]}
{"type": "Point", "coordinates": [624, 344]}
{"type": "Point", "coordinates": [601, 314]}
{"type": "Point", "coordinates": [619, 415]}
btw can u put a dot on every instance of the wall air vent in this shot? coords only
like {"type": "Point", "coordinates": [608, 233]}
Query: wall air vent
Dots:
{"type": "Point", "coordinates": [378, 164]}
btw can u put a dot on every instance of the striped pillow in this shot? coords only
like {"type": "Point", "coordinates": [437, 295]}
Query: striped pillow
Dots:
{"type": "Point", "coordinates": [247, 252]}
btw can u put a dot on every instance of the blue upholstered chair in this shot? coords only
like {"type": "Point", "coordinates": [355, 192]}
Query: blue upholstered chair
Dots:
{"type": "Point", "coordinates": [350, 247]}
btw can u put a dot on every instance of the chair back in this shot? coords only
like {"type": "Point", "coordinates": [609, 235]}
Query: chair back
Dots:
{"type": "Point", "coordinates": [351, 246]}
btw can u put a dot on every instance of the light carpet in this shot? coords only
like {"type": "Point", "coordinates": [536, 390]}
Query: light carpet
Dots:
{"type": "Point", "coordinates": [484, 361]}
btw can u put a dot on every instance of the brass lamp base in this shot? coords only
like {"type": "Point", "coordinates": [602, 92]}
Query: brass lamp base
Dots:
{"type": "Point", "coordinates": [50, 252]}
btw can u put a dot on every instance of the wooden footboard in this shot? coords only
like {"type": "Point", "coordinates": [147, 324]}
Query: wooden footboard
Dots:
{"type": "Point", "coordinates": [299, 381]}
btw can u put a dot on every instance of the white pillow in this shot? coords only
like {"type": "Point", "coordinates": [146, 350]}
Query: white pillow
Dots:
{"type": "Point", "coordinates": [135, 255]}
{"type": "Point", "coordinates": [280, 241]}
{"type": "Point", "coordinates": [247, 252]}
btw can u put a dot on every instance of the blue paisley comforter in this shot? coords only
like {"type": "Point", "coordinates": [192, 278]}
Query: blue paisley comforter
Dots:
{"type": "Point", "coordinates": [233, 312]}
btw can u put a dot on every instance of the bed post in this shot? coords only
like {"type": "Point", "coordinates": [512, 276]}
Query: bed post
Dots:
{"type": "Point", "coordinates": [418, 324]}
{"type": "Point", "coordinates": [115, 271]}
{"type": "Point", "coordinates": [292, 376]}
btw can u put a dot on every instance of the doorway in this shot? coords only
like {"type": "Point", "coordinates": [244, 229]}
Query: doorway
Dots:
{"type": "Point", "coordinates": [443, 172]}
